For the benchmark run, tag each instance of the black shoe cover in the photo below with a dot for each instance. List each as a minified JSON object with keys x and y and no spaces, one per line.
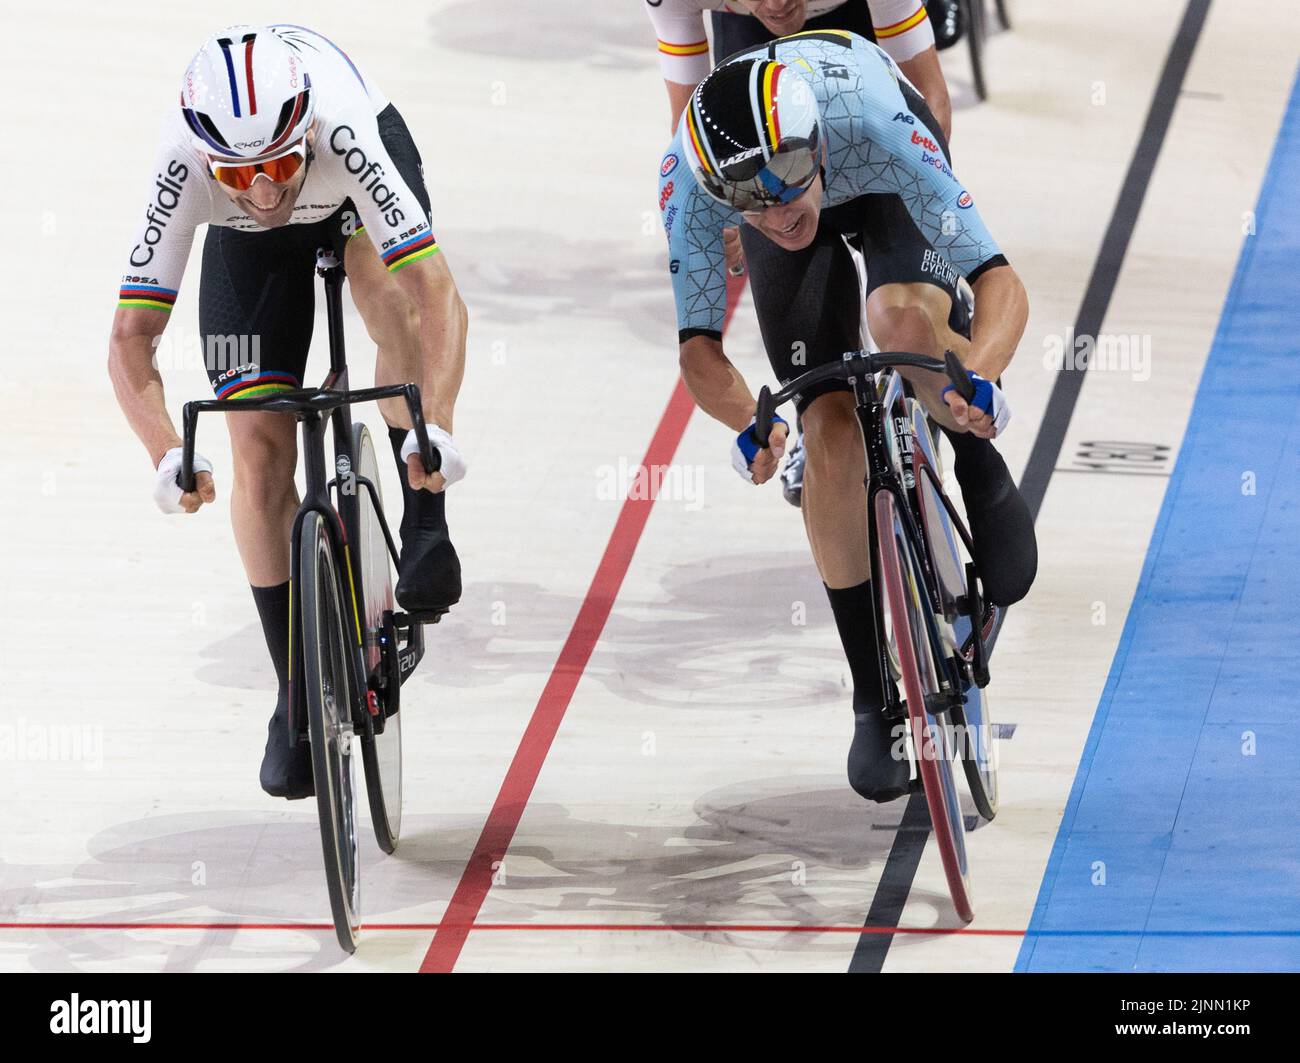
{"x":286,"y":768}
{"x":875,"y":772}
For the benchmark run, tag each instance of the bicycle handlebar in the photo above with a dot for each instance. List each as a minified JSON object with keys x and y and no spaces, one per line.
{"x":856,"y":364}
{"x":317,"y":400}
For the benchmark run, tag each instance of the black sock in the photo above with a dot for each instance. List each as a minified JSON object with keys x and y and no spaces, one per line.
{"x":429,"y":570}
{"x":420,"y":509}
{"x":273,"y":608}
{"x":878,"y":766}
{"x":1001,"y":526}
{"x":979,"y":467}
{"x":855,"y":619}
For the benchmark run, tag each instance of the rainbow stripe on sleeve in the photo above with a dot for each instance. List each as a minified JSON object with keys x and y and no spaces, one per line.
{"x":148,"y":296}
{"x":419,"y":246}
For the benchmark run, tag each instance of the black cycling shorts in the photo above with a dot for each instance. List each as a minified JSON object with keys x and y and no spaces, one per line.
{"x":809,"y":302}
{"x":257,"y":292}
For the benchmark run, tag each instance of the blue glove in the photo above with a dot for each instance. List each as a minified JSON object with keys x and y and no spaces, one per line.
{"x":989,"y":398}
{"x":745,"y":449}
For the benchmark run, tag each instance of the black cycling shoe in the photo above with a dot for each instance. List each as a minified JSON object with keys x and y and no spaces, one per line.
{"x":874,"y":771}
{"x":428,"y":574}
{"x":286,"y":767}
{"x":1001,"y":526}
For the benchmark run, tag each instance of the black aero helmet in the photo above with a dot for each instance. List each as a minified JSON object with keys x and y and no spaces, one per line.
{"x":752,"y":134}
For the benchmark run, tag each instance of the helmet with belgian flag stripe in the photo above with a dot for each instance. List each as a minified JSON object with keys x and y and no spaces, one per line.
{"x":752,"y":134}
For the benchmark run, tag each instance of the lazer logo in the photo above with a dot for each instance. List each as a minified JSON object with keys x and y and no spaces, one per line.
{"x":739,"y":157}
{"x":370,"y":175}
{"x":166,"y":198}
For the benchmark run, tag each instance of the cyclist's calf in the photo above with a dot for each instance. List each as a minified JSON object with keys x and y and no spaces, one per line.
{"x":834,"y":500}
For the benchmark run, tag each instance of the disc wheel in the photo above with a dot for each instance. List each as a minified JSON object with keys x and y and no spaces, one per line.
{"x":381,"y":753}
{"x":327,"y":679}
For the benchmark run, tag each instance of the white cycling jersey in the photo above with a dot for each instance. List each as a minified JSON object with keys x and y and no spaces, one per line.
{"x":350,"y":162}
{"x":902,"y":28}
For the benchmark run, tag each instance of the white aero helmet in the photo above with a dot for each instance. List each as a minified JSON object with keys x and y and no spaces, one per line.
{"x":246,"y":93}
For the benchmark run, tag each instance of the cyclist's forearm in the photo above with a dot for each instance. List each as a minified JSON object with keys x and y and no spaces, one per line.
{"x":715,"y":384}
{"x":443,"y":330}
{"x":1001,"y":312}
{"x":926,"y":74}
{"x":444,"y":324}
{"x":139,"y":390}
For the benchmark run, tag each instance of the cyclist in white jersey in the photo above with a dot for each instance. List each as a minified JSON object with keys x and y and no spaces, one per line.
{"x":282,"y":145}
{"x":899,"y":26}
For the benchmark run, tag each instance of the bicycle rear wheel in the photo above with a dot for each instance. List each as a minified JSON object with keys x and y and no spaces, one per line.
{"x":978,"y":751}
{"x":904,"y":600}
{"x":327,"y":678}
{"x":381,"y":754}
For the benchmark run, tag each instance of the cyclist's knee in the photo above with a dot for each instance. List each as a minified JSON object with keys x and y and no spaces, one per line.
{"x":831,"y":437}
{"x":904,"y":327}
{"x":264,"y":451}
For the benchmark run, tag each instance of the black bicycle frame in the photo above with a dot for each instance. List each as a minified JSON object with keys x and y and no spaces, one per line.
{"x":310,"y":407}
{"x":859,"y":370}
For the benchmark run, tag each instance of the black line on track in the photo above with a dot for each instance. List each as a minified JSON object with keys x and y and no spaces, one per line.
{"x":905,"y":855}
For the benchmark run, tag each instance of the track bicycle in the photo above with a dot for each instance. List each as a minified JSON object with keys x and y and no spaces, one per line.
{"x":929,"y":611}
{"x":350,"y":648}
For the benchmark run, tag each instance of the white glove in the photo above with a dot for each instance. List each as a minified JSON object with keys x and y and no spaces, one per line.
{"x":453,"y":465}
{"x":167,"y":489}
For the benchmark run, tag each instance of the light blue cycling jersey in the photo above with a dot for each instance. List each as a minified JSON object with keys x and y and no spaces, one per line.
{"x":875,"y":144}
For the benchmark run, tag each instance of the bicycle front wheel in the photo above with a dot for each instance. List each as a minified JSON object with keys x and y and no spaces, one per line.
{"x":903,"y":601}
{"x":328,"y":682}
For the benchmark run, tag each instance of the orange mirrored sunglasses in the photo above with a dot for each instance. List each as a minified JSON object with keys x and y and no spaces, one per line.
{"x":241,"y":175}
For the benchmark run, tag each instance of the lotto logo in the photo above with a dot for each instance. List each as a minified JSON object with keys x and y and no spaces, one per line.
{"x":925,"y":142}
{"x":665,"y":195}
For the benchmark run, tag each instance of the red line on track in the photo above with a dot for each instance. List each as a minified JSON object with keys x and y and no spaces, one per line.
{"x":678,"y":928}
{"x":517,"y":787}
